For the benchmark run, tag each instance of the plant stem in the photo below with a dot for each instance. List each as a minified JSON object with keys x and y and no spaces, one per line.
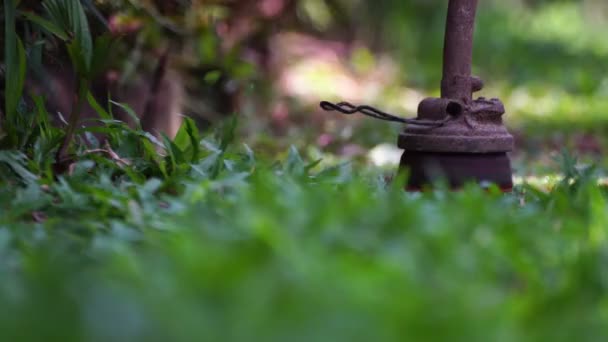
{"x":149,"y":119}
{"x":73,"y":121}
{"x":10,"y":55}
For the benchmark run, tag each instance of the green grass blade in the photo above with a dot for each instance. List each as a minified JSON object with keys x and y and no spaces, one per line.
{"x":16,"y":161}
{"x":15,"y":68}
{"x":129,"y":112}
{"x":80,"y":26}
{"x":46,"y":24}
{"x":54,"y":11}
{"x":22,"y":68}
{"x":228,"y":133}
{"x":97,"y":107}
{"x":188,"y":139}
{"x":100,"y":56}
{"x":69,"y":17}
{"x":10,"y":57}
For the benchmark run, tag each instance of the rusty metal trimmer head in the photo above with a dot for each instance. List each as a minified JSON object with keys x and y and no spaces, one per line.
{"x":471,"y":144}
{"x":453,"y":138}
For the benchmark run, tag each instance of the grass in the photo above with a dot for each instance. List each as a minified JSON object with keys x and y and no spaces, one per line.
{"x":229,"y":247}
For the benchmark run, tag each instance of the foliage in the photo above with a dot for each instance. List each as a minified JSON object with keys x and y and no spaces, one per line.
{"x":215,"y":243}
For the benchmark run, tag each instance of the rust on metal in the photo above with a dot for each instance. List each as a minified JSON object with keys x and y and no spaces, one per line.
{"x":458,"y":50}
{"x":477,"y":128}
{"x":457,"y":169}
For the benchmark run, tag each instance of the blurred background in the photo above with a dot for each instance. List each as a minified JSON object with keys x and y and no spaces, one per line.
{"x":271,"y":61}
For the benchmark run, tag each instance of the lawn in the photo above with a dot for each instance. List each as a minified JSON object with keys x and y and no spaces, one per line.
{"x":230,"y":247}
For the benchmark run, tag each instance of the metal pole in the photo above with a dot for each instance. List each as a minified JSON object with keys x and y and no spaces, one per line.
{"x":457,"y":83}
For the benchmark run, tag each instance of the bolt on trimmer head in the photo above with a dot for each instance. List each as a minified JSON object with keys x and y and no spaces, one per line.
{"x":454,"y":138}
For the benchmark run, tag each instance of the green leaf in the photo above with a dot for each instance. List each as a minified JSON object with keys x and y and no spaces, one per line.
{"x":228,"y":133}
{"x":78,"y":58}
{"x":207,"y":47}
{"x":312,"y":165}
{"x":16,"y":161}
{"x":101,"y":53}
{"x":194,"y":135}
{"x":22,"y":68}
{"x":249,"y":156}
{"x":188,"y":139}
{"x":150,"y":150}
{"x":69,"y":16}
{"x":47,"y":25}
{"x":80,"y":27}
{"x":97,"y":107}
{"x":295,"y":164}
{"x":96,"y":129}
{"x":212,"y":77}
{"x":175,"y":154}
{"x":57,"y":14}
{"x":42,"y":116}
{"x":151,"y":138}
{"x":90,"y":5}
{"x":129,"y":112}
{"x":207,"y":166}
{"x":15,"y":65}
